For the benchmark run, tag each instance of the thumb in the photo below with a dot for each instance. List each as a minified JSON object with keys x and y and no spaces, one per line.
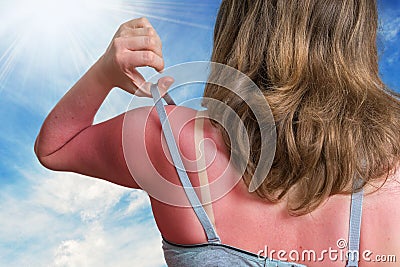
{"x":164,"y":83}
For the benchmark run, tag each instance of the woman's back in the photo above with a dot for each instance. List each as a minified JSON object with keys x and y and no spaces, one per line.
{"x":316,"y":64}
{"x":246,"y":221}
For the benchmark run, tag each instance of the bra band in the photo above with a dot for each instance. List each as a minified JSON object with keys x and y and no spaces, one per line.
{"x":212,"y":237}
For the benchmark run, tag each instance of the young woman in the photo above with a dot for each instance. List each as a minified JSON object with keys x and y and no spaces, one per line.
{"x":337,"y":131}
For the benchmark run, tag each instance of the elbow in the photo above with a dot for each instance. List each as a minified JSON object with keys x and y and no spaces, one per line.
{"x":50,"y":162}
{"x":36,"y":148}
{"x":44,"y":160}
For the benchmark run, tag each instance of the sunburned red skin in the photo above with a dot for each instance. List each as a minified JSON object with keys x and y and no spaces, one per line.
{"x":69,"y":141}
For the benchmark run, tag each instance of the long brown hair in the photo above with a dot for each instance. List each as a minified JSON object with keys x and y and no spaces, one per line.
{"x":316,"y":63}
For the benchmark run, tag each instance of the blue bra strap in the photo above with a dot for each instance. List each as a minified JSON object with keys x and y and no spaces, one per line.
{"x":212,"y":236}
{"x":355,"y":228}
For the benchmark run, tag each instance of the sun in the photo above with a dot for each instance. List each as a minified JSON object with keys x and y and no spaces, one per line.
{"x":38,"y":36}
{"x":50,"y":42}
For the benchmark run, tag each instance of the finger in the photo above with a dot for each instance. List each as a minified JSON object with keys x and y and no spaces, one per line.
{"x":164,"y":83}
{"x":137,"y":23}
{"x":136,"y":79}
{"x":147,"y":31}
{"x":134,"y":59}
{"x":137,"y":43}
{"x":144,"y":90}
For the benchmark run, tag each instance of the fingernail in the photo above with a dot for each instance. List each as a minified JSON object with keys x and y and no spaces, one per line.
{"x":167,"y":83}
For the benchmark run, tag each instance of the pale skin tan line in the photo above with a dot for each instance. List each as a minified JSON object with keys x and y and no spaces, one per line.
{"x":201,"y":166}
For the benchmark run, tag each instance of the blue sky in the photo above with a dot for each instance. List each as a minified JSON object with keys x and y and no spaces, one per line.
{"x":64,"y":219}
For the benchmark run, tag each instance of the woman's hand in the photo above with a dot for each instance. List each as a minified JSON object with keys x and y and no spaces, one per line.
{"x":135,"y":44}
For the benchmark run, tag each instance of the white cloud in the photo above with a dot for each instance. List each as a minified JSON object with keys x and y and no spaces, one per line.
{"x":21,"y":220}
{"x":137,"y":201}
{"x":66,"y":219}
{"x":67,"y":193}
{"x":119,"y":247}
{"x":390,"y":29}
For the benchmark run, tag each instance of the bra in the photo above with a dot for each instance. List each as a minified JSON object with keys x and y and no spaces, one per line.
{"x":214,"y":253}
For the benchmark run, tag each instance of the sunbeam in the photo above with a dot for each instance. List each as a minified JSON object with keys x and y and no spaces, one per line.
{"x":7,"y":62}
{"x":46,"y":38}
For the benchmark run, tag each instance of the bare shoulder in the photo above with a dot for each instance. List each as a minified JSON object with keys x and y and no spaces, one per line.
{"x":193,"y":133}
{"x":143,"y":136}
{"x":144,"y":124}
{"x":147,"y":122}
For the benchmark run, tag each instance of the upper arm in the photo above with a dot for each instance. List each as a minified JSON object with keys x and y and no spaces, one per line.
{"x":98,"y":150}
{"x":128,"y":150}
